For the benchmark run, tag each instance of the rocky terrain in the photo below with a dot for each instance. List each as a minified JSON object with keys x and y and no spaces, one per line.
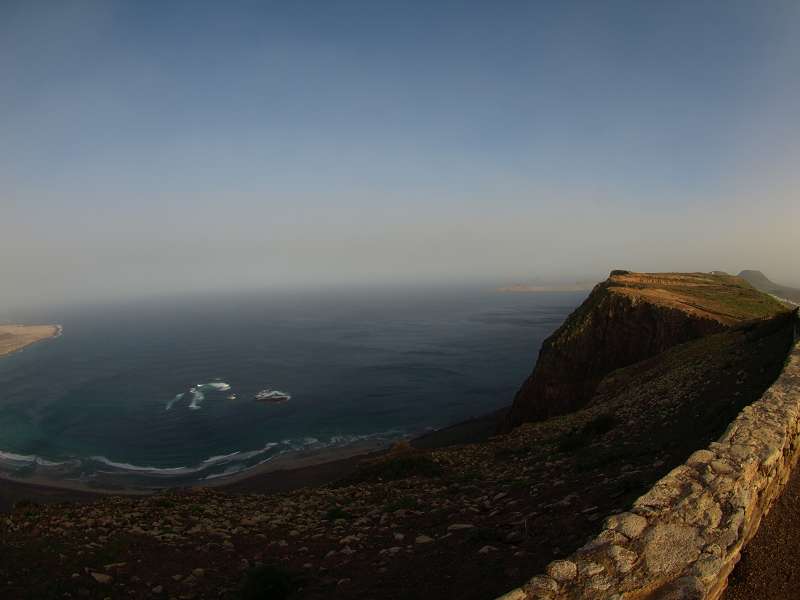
{"x":466,"y":521}
{"x":628,"y":318}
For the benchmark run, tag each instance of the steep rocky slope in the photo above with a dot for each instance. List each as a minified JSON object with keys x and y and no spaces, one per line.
{"x":626,"y":319}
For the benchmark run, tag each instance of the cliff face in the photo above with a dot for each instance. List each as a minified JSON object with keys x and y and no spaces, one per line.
{"x":626,"y":319}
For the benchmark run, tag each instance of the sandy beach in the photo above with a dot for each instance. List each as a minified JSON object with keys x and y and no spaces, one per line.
{"x":16,"y":337}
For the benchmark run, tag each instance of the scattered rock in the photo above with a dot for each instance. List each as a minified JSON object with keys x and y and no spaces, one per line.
{"x":101,"y":577}
{"x":562,"y":570}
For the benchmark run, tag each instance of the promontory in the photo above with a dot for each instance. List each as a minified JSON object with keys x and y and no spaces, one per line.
{"x":17,"y":337}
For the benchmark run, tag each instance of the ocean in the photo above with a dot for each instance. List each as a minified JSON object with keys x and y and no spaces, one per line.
{"x":161,"y":392}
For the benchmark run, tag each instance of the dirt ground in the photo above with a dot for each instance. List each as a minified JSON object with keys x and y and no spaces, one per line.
{"x":768,"y":568}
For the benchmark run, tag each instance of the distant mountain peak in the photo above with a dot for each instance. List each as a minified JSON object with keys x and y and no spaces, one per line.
{"x":761,"y":282}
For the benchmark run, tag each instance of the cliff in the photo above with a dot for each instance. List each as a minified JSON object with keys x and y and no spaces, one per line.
{"x":626,"y":319}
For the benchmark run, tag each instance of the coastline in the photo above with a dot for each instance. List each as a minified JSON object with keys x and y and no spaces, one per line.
{"x":15,"y":338}
{"x":284,"y":473}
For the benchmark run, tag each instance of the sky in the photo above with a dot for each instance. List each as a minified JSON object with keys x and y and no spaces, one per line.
{"x":163,"y":147}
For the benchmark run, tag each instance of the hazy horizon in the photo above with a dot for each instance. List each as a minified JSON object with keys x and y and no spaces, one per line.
{"x":156,"y":149}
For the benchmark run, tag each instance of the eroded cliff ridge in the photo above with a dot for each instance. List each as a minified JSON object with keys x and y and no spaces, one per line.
{"x":626,"y":319}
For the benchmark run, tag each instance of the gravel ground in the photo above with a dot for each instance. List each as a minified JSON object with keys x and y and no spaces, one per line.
{"x":768,"y":568}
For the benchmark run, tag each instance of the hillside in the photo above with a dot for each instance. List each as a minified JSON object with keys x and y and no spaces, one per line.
{"x":761,"y":282}
{"x":466,"y":521}
{"x":626,"y":319}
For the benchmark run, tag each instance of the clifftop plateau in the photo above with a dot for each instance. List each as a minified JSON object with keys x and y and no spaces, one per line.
{"x":626,"y":319}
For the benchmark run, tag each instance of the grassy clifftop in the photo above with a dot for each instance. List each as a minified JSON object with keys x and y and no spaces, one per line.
{"x":715,"y":296}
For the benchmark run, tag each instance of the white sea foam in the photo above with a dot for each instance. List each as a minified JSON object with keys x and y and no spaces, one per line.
{"x":273,"y":396}
{"x":197,"y":397}
{"x":221,"y":458}
{"x":220,"y":386}
{"x":212,"y":467}
{"x":208,"y":463}
{"x":15,"y":460}
{"x":197,"y":393}
{"x":20,"y":459}
{"x":225,"y":473}
{"x":174,"y":400}
{"x":122,"y":466}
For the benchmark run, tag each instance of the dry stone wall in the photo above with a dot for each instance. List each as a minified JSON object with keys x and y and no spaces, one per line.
{"x":683,"y":537}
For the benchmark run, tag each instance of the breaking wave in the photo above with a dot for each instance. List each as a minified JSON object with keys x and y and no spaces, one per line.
{"x":27,"y":460}
{"x":100,"y":470}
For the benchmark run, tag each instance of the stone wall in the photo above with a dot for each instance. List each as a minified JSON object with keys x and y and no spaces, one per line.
{"x":682,"y":538}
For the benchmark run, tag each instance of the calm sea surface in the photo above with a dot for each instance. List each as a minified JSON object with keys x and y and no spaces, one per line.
{"x":142,"y":393}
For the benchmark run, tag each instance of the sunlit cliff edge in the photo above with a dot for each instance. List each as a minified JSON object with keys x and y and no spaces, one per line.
{"x":628,"y":318}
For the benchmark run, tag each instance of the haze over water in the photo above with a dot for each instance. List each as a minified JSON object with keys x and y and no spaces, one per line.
{"x":99,"y":403}
{"x":153,"y":148}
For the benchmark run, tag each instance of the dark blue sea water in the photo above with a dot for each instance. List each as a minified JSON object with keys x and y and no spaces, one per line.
{"x":98,"y":404}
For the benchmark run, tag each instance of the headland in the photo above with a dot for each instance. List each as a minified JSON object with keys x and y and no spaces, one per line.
{"x":14,"y":338}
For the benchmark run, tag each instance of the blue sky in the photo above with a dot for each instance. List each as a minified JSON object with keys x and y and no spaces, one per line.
{"x":193,"y":145}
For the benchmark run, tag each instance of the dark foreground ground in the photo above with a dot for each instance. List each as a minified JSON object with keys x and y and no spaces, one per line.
{"x":468,"y":521}
{"x":769,"y":569}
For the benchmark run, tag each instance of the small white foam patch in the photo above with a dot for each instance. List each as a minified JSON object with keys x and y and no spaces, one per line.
{"x":273,"y":395}
{"x":197,"y":397}
{"x":220,"y":386}
{"x":198,"y":394}
{"x":171,"y":403}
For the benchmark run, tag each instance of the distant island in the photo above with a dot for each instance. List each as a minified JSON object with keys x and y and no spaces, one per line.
{"x":17,"y":337}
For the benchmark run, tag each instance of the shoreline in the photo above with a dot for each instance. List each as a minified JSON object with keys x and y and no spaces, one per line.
{"x":305,"y":468}
{"x":28,"y":334}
